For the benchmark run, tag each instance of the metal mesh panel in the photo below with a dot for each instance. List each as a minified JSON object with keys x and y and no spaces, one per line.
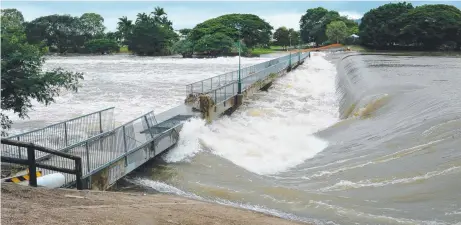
{"x":254,"y":74}
{"x":216,"y":82}
{"x":63,"y":134}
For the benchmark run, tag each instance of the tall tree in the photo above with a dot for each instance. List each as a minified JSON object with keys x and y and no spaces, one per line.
{"x":22,"y":76}
{"x":313,"y":24}
{"x":431,"y":26}
{"x":282,"y":37}
{"x":151,"y":34}
{"x":124,"y":27}
{"x":253,"y":30}
{"x":214,"y":44}
{"x":61,"y":33}
{"x":92,"y":25}
{"x":379,"y":27}
{"x":294,"y":37}
{"x":336,"y":31}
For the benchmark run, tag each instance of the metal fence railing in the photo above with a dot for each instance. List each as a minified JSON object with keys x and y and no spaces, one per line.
{"x":108,"y":146}
{"x":229,"y":89}
{"x":63,"y":134}
{"x":212,"y":83}
{"x":72,"y":168}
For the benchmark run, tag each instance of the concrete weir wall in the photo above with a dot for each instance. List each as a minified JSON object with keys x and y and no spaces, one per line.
{"x":211,"y":111}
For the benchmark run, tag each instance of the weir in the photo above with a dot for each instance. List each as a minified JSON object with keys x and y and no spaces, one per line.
{"x":107,"y":153}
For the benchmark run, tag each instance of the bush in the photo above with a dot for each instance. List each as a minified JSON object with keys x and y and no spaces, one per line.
{"x":184,"y":47}
{"x":103,"y":46}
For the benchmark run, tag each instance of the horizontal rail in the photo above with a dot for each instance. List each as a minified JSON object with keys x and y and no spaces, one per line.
{"x":52,"y":125}
{"x":32,"y":163}
{"x":39,"y":148}
{"x":25,"y":162}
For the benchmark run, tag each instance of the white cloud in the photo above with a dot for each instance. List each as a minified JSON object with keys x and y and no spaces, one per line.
{"x":289,"y":20}
{"x":351,"y":15}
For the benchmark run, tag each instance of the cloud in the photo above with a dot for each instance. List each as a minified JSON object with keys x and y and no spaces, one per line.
{"x":289,"y":20}
{"x":351,"y":15}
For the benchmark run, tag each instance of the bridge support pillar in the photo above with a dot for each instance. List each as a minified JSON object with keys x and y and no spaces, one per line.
{"x":238,"y":100}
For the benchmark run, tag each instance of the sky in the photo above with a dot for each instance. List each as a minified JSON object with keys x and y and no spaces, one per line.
{"x":186,"y":14}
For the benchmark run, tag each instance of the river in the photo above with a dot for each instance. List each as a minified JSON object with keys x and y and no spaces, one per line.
{"x":343,"y":139}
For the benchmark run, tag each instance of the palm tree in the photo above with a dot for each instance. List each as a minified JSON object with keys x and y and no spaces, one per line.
{"x":142,"y":17}
{"x":159,"y":12}
{"x":124,"y":26}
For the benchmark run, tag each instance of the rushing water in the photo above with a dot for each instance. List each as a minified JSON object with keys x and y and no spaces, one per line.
{"x":343,"y":139}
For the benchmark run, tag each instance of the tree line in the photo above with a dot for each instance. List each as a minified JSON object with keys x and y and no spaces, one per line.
{"x":221,"y":35}
{"x":402,"y":26}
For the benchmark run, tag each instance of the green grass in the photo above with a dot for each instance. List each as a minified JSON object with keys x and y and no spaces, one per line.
{"x":260,"y":51}
{"x":358,"y":48}
{"x":277,"y":48}
{"x":124,"y":49}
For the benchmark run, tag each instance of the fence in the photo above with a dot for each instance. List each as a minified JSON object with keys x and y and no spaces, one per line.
{"x":63,"y":134}
{"x":73,"y":168}
{"x":106,"y":147}
{"x":224,"y":90}
{"x":212,"y":83}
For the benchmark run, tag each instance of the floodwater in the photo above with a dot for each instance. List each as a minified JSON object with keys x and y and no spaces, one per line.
{"x":343,"y":139}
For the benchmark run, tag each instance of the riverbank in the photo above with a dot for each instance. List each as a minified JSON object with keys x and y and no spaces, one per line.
{"x":26,"y":205}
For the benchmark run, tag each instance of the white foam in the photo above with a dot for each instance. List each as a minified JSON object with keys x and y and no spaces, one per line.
{"x":134,"y":85}
{"x":189,"y":144}
{"x":273,"y":132}
{"x":345,"y":184}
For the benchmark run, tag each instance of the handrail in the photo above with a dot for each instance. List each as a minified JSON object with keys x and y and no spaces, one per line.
{"x":55,"y":124}
{"x":33,"y":164}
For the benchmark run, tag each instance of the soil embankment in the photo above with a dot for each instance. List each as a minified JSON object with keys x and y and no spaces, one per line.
{"x":26,"y":205}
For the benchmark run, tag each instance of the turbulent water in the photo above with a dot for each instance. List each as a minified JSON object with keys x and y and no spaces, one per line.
{"x":343,"y":139}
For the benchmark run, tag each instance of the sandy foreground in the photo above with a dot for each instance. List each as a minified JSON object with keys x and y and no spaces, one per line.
{"x":26,"y":205}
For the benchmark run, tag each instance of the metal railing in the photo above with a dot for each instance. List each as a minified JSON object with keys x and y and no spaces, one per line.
{"x":63,"y":134}
{"x":69,"y":164}
{"x":108,"y":146}
{"x":212,"y":83}
{"x":225,"y":91}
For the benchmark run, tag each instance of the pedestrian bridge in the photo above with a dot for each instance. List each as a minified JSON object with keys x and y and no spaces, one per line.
{"x":89,"y":152}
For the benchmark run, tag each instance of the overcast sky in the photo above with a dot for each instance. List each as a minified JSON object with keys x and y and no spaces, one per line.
{"x":186,"y":14}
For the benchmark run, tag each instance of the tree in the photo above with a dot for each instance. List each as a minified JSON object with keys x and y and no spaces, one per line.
{"x":22,"y":75}
{"x":124,"y":28}
{"x":185,"y":31}
{"x":314,"y":23}
{"x":115,"y":36}
{"x":253,"y":30}
{"x":61,"y":33}
{"x":151,"y":34}
{"x":431,"y":26}
{"x":336,"y":31}
{"x":379,"y":27}
{"x":282,"y":37}
{"x":103,"y":46}
{"x":184,"y":47}
{"x":92,"y":25}
{"x":12,"y":18}
{"x":214,"y":44}
{"x":294,"y":37}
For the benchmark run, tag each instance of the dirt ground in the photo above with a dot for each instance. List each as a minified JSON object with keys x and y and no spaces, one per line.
{"x":26,"y":205}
